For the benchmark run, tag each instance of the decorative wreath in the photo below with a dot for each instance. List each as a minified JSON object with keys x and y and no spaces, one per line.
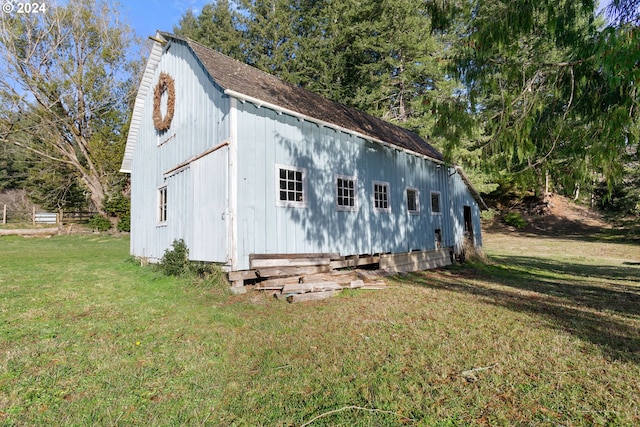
{"x":165,"y":84}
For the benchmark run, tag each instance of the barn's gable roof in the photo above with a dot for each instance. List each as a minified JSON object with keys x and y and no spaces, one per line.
{"x":247,"y":82}
{"x":251,"y":82}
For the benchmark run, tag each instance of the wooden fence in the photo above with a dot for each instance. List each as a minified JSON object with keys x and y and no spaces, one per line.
{"x":40,"y":217}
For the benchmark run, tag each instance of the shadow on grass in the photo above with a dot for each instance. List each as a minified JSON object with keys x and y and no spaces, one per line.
{"x":598,"y":304}
{"x":551,"y":226}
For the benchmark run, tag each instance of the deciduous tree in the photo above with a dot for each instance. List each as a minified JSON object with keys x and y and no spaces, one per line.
{"x":66,"y":81}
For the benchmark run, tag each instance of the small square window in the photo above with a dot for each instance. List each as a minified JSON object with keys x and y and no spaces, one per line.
{"x":435,"y":202}
{"x":346,"y":193}
{"x":413,"y":205}
{"x":290,"y":185}
{"x":381,"y":196}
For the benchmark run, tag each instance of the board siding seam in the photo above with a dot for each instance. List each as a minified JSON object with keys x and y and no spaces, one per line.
{"x":233,"y":183}
{"x":178,"y":168}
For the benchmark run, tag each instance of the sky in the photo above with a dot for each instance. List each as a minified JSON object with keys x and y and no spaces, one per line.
{"x":147,"y":16}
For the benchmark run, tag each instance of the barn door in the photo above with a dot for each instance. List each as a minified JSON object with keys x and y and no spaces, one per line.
{"x":468,"y":225}
{"x":209,"y":213}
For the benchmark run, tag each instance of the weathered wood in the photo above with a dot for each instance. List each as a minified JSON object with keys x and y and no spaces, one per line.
{"x":355,"y":261}
{"x":242,"y":275}
{"x":301,"y":288}
{"x":356,"y":284}
{"x":343,"y":278}
{"x":415,"y":261}
{"x":277,"y":283}
{"x":30,"y":231}
{"x":372,"y":274}
{"x":329,"y":255}
{"x":311,"y":296}
{"x":289,"y":262}
{"x":291,"y":271}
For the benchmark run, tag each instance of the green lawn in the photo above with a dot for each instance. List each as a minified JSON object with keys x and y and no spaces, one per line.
{"x":548,"y":332}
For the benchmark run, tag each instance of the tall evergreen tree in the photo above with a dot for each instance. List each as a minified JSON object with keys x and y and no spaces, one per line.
{"x":534,"y":73}
{"x":218,"y":26}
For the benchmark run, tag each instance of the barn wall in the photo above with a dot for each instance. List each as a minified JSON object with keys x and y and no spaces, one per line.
{"x":461,"y":197}
{"x":267,"y":138}
{"x":199,"y":123}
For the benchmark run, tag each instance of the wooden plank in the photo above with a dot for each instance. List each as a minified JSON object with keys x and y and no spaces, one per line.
{"x":418,"y":266}
{"x":415,"y":261}
{"x":342,"y":278}
{"x":288,"y":262}
{"x":277,"y":283}
{"x":291,"y":271}
{"x":302,"y":288}
{"x":356,"y":284}
{"x":242,"y":275}
{"x":355,"y":261}
{"x":311,"y":296}
{"x":329,"y":255}
{"x":372,"y":274}
{"x":416,"y":256}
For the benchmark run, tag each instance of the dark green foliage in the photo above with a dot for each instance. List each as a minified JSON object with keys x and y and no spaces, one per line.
{"x":119,"y":206}
{"x":124,"y":223}
{"x":175,"y":261}
{"x":514,"y":219}
{"x":100,"y":223}
{"x":548,"y":89}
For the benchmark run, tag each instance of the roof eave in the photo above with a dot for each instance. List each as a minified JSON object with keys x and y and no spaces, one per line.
{"x":143,"y":91}
{"x":261,"y":103}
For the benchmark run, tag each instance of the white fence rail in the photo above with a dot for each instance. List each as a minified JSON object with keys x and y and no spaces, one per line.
{"x":52,"y":218}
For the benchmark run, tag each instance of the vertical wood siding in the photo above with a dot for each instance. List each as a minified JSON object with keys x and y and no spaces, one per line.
{"x":323,"y":152}
{"x":199,"y":123}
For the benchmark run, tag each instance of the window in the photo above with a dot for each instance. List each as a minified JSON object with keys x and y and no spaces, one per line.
{"x":291,"y":186}
{"x":435,"y":202}
{"x":381,"y":196}
{"x":346,"y":193}
{"x":438,"y":238}
{"x":413,"y":205}
{"x":162,"y":204}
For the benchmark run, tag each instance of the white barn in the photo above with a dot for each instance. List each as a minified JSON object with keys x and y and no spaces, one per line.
{"x":241,"y":165}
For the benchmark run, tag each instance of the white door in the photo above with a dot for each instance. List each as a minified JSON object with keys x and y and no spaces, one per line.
{"x":210,"y":201}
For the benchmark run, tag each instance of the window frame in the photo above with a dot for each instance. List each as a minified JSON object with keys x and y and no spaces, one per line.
{"x":291,"y":203}
{"x":386,"y":185}
{"x":416,"y":198}
{"x":162,"y":206}
{"x":439,"y":211}
{"x":346,"y":208}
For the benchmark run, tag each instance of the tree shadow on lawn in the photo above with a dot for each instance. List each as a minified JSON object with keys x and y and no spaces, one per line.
{"x":590,"y":302}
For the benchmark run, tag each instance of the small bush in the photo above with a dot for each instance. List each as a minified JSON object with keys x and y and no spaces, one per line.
{"x":99,"y":223}
{"x":175,"y":261}
{"x":514,"y":219}
{"x":488,"y":215}
{"x":124,"y":223}
{"x":119,"y":206}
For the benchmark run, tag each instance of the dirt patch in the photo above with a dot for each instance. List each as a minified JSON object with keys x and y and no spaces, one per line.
{"x":558,"y":216}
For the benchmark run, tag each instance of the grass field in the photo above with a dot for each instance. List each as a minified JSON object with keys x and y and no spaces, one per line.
{"x":546,"y":332}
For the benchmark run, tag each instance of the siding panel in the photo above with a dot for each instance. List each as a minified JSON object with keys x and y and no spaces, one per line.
{"x":324,"y":153}
{"x":199,"y":123}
